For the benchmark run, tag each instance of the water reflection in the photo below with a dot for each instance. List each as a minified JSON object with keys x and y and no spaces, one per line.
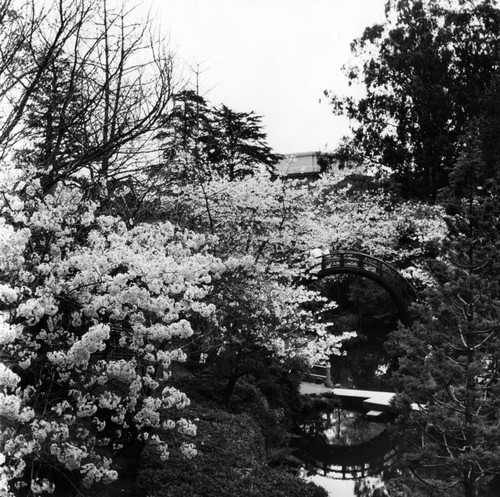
{"x":364,"y":365}
{"x":341,"y":449}
{"x":345,"y":445}
{"x":352,"y":456}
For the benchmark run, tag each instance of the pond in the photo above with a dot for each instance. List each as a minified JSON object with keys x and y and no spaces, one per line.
{"x":344,"y":452}
{"x":341,"y":449}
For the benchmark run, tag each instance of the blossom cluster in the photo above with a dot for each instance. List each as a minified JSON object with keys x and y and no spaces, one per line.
{"x":263,"y":230}
{"x":100,"y":312}
{"x":371,"y":222}
{"x":96,"y":311}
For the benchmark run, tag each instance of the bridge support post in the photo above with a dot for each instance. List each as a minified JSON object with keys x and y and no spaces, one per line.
{"x":328,"y":377}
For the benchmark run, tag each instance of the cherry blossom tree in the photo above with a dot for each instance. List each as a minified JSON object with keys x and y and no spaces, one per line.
{"x":267,"y":229}
{"x":93,"y":316}
{"x":279,"y":222}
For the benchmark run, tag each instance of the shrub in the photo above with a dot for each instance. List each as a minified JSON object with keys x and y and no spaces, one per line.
{"x":231,"y":461}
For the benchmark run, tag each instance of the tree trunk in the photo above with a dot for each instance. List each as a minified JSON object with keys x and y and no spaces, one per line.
{"x":470,"y":485}
{"x":228,"y":391}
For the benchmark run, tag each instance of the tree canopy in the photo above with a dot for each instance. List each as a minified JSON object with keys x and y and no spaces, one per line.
{"x":139,"y":230}
{"x":97,"y":298}
{"x":426,"y":74}
{"x":448,"y":360}
{"x":215,"y":141}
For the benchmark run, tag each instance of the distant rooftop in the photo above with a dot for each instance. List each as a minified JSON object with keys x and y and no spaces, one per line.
{"x":299,"y":164}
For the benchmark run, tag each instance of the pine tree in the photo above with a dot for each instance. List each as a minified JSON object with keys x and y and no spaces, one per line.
{"x":56,"y":119}
{"x":200,"y":142}
{"x":239,"y":144}
{"x":449,"y":360}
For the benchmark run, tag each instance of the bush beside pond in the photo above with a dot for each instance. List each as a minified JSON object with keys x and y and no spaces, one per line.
{"x":231,"y":461}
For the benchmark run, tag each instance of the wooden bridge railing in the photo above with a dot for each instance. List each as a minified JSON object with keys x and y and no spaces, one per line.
{"x":358,"y":262}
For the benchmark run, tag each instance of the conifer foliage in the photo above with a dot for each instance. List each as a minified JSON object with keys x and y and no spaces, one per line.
{"x":449,"y":361}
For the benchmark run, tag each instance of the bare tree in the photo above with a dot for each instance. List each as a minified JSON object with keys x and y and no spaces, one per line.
{"x":83,"y":84}
{"x":28,"y":48}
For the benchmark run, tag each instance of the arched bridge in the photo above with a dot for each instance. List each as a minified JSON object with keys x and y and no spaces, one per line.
{"x":351,"y":262}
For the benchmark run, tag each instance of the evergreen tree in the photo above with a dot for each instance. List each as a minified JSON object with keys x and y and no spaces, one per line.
{"x":449,"y":361}
{"x":56,"y":119}
{"x":425,"y":71}
{"x":239,"y":144}
{"x":200,"y":141}
{"x":186,"y":130}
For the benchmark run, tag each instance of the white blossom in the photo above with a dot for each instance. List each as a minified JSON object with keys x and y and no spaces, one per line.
{"x":8,"y":379}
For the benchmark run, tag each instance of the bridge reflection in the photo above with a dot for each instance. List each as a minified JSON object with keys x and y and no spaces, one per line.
{"x":344,"y":445}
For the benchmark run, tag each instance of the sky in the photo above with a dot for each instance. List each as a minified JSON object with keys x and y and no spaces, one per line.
{"x":272,"y":57}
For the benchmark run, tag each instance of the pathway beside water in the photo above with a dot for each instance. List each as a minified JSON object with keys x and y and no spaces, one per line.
{"x":370,"y":400}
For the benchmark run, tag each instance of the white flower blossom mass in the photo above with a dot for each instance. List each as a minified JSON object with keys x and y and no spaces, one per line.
{"x":73,"y":304}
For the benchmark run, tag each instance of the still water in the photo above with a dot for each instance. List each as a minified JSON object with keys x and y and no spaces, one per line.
{"x":341,"y":449}
{"x":345,"y":453}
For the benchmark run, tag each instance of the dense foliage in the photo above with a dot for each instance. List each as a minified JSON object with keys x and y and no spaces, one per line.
{"x":118,"y":261}
{"x":429,"y":118}
{"x":96,"y":300}
{"x":449,"y":358}
{"x":426,"y":73}
{"x":229,"y":446}
{"x":218,"y":141}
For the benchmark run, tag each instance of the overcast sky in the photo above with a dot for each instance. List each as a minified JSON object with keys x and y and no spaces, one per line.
{"x":273,"y":57}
